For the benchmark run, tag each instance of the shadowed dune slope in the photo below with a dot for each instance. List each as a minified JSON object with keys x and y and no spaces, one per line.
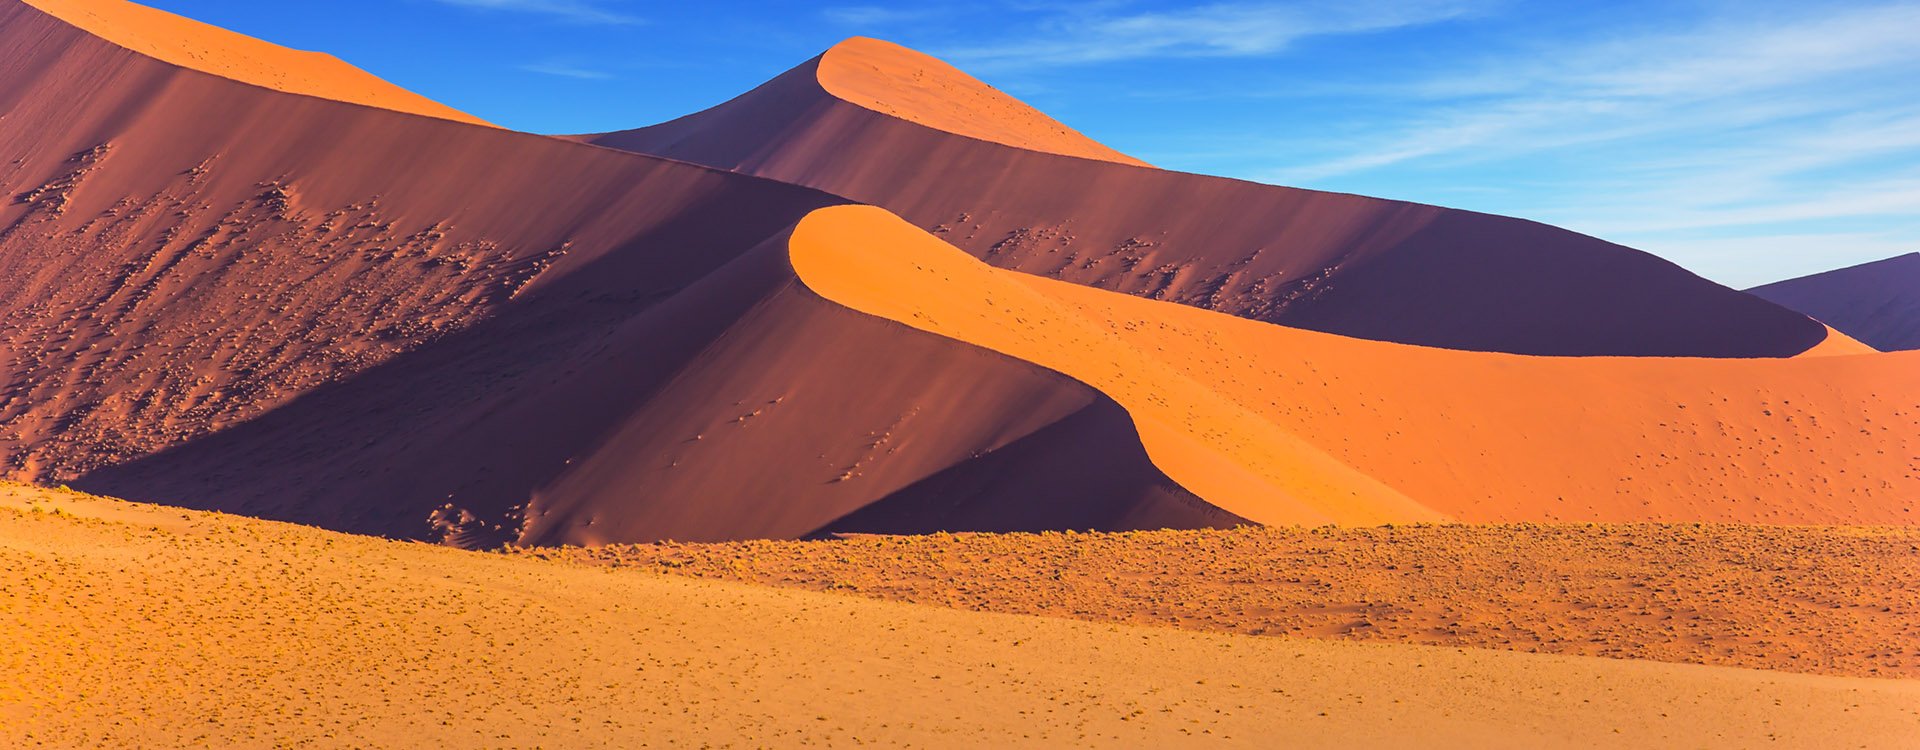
{"x":1877,"y":303}
{"x":1282,"y":425}
{"x":742,"y":406}
{"x":1362,"y":267}
{"x":393,"y":324}
{"x":197,"y":46}
{"x":136,"y":626}
{"x":872,"y":261}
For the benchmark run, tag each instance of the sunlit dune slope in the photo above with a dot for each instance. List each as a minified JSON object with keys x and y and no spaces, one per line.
{"x":208,"y":49}
{"x":883,"y":125}
{"x":1878,"y":302}
{"x":138,"y":626}
{"x":1235,"y":409}
{"x":1837,"y":344}
{"x":893,"y":80}
{"x":871,"y":261}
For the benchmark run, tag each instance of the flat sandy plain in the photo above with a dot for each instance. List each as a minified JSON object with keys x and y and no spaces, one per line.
{"x":1842,"y":600}
{"x":131,"y":625}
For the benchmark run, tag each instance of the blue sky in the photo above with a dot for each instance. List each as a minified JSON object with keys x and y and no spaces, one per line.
{"x":1748,"y":141}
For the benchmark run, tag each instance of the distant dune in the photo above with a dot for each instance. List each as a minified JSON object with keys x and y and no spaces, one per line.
{"x":197,"y":46}
{"x":1020,"y":191}
{"x":138,"y":626}
{"x":1877,"y":303}
{"x":899,"y":82}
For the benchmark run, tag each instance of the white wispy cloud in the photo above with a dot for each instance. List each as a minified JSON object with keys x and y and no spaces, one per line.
{"x":1763,"y":127}
{"x":1102,"y":33}
{"x":869,"y":16}
{"x":570,"y":10}
{"x":566,"y":70}
{"x":1725,"y":77}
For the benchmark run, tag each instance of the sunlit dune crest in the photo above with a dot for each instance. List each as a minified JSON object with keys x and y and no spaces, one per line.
{"x":891,"y":79}
{"x":197,"y":46}
{"x":1280,"y":425}
{"x":880,"y":124}
{"x":1837,"y":344}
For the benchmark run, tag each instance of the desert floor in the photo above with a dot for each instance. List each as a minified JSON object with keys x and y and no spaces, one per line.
{"x":130,"y":625}
{"x":1823,"y":600}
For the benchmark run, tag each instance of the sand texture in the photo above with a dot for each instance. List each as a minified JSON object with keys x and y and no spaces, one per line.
{"x":1814,"y":599}
{"x":133,"y":625}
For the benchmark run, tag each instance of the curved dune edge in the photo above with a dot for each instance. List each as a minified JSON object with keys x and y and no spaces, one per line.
{"x":190,"y":44}
{"x":900,"y":82}
{"x":1837,"y":344}
{"x":1283,"y":425}
{"x":1485,"y":437}
{"x":869,"y":260}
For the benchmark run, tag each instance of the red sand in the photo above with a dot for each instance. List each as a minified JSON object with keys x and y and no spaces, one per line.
{"x":1878,"y":303}
{"x":1346,"y":264}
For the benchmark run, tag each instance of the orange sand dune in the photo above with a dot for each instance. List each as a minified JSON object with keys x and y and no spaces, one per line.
{"x":209,"y":49}
{"x":1837,"y":344}
{"x":138,"y":626}
{"x":1234,"y":409}
{"x":881,"y":124}
{"x":893,"y":80}
{"x":871,"y":261}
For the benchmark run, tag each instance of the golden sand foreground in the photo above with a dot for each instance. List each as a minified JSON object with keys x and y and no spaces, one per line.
{"x":133,"y":625}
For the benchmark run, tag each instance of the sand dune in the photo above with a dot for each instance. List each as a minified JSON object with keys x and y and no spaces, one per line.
{"x":1357,"y":266}
{"x":300,"y":309}
{"x":1878,"y":303}
{"x":239,"y":277}
{"x":294,"y":308}
{"x":231,"y":254}
{"x":196,"y":46}
{"x":134,"y":625}
{"x":1280,"y":425}
{"x":896,"y":81}
{"x":871,"y":261}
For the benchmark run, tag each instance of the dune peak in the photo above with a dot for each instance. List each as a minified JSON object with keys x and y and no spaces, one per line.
{"x":917,"y":87}
{"x":186,"y":43}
